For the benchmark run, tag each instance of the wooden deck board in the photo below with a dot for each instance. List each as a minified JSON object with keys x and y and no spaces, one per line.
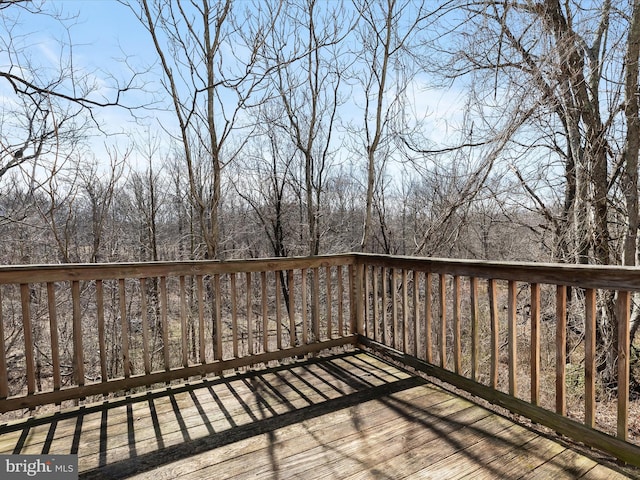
{"x":344,"y":416}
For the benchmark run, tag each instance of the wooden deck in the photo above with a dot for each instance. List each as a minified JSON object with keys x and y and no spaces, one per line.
{"x":349,"y":415}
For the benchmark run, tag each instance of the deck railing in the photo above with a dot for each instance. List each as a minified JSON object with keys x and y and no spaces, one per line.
{"x":76,"y":331}
{"x":521,"y":336}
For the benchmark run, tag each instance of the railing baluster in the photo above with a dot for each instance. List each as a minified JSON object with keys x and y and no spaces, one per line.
{"x":385,"y":287}
{"x":495,"y":333}
{"x":202,"y":353}
{"x":278,"y":310}
{"x":4,"y":382}
{"x":145,"y":325}
{"x":305,"y":317}
{"x":405,"y":312}
{"x":428,"y":318}
{"x":124,"y":324}
{"x":375,"y":309}
{"x":249,"y":313}
{"x":622,"y":314}
{"x":561,"y":349}
{"x":265,"y":312}
{"x":78,"y":354}
{"x":315,"y":309}
{"x":367,"y":307}
{"x":340,"y":301}
{"x":53,"y":329}
{"x":535,"y":343}
{"x":443,"y":321}
{"x":416,"y":313}
{"x":219,"y":353}
{"x":234,"y":315}
{"x":101,"y":330}
{"x":292,"y":309}
{"x":394,"y":309}
{"x":457,"y":333}
{"x":590,"y":357}
{"x":25,"y":297}
{"x":327,"y":276}
{"x":513,"y":339}
{"x":475,"y":330}
{"x":184,"y":331}
{"x":164,"y":322}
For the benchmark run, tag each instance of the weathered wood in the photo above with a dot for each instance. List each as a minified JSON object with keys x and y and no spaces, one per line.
{"x":123,"y":384}
{"x":394,"y":309}
{"x":535,"y":344}
{"x":145,"y":325}
{"x":293,"y":341}
{"x":219,"y":353}
{"x":590,"y":357}
{"x":428,"y":318}
{"x":249,"y":314}
{"x":561,"y":349}
{"x":305,"y":316}
{"x":184,"y":332}
{"x":358,"y":279}
{"x":416,"y":314}
{"x":265,"y":312}
{"x":623,"y":311}
{"x":78,"y":353}
{"x":513,"y":338}
{"x":405,"y":313}
{"x":278,"y":311}
{"x":27,"y":333}
{"x":315,"y":309}
{"x":625,"y":451}
{"x":368,"y":331}
{"x":584,"y":276}
{"x":475,"y":328}
{"x":234,"y":314}
{"x":4,"y":382}
{"x":341,"y":300}
{"x":328,"y":301}
{"x":164,"y":322}
{"x":102,"y":343}
{"x":385,"y":306}
{"x":16,"y":274}
{"x":495,"y":331}
{"x":375,"y":273}
{"x":457,"y":333}
{"x":202,"y":352}
{"x":53,"y":331}
{"x":443,"y":321}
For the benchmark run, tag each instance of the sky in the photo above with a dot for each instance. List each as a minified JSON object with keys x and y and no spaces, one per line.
{"x":104,"y":33}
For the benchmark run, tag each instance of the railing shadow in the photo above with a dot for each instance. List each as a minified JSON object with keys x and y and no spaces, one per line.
{"x":156,"y":429}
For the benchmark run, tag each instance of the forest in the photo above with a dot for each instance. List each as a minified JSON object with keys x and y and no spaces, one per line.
{"x":299,"y":127}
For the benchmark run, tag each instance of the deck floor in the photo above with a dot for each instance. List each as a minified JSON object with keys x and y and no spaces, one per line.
{"x":344,"y":416}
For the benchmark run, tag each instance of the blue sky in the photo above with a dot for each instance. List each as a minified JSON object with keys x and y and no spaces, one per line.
{"x":104,"y":32}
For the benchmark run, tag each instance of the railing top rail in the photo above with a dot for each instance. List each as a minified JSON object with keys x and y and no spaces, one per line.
{"x":13,"y":274}
{"x":585,"y":276}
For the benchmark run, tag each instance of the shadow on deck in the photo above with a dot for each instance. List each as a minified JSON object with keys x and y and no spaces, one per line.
{"x":347,"y":415}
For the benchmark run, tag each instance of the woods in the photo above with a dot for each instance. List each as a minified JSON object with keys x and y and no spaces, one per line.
{"x":301,"y":127}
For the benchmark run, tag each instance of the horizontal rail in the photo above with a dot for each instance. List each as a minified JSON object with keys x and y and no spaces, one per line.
{"x":583,"y":276}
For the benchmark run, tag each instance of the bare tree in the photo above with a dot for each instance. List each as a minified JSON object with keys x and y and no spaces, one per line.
{"x":207,"y":54}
